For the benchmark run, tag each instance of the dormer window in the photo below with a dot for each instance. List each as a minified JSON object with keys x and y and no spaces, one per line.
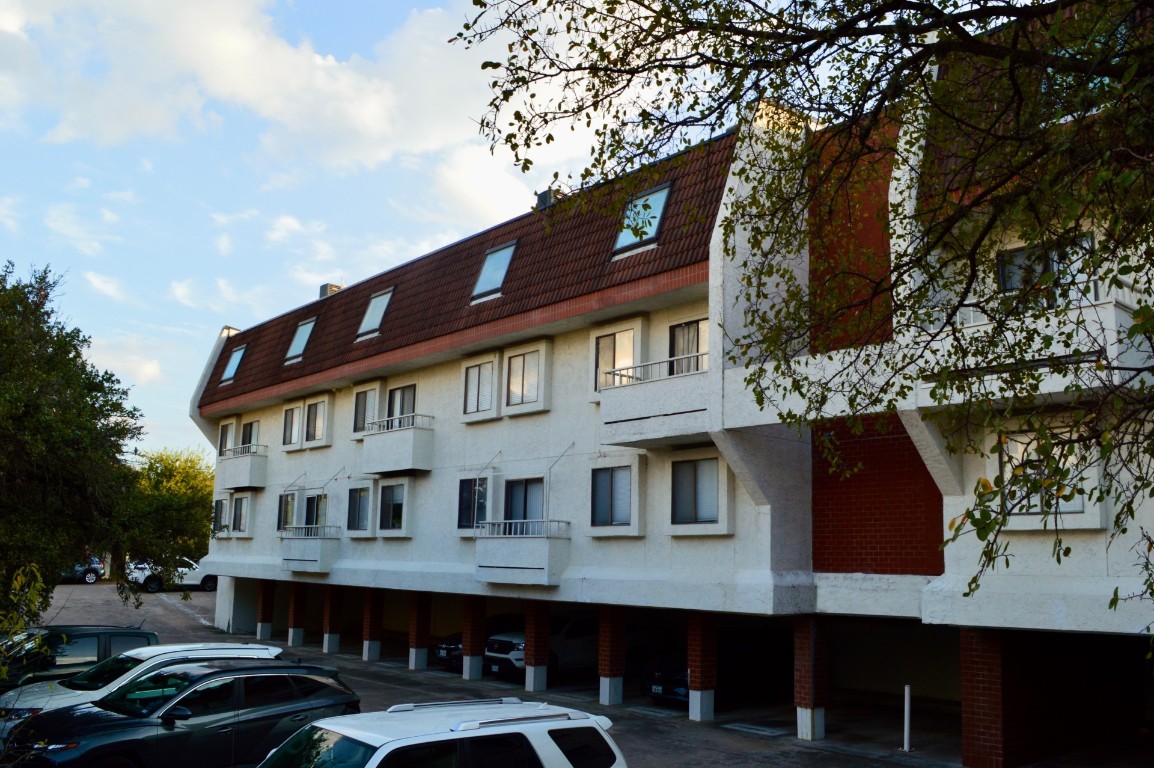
{"x":233,"y":364}
{"x":375,"y":313}
{"x":493,"y":272}
{"x":300,"y":340}
{"x":642,"y":220}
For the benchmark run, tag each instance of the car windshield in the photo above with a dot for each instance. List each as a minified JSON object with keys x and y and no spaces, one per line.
{"x":102,"y":674}
{"x":315,"y":747}
{"x":142,"y":697}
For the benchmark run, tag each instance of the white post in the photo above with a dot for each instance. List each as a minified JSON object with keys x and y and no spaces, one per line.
{"x":906,"y":727}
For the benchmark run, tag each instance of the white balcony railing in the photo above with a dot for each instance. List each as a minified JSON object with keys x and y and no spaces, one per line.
{"x":411,"y":421}
{"x":311,"y":532}
{"x":658,"y":369}
{"x":547,"y":529}
{"x":244,"y":450}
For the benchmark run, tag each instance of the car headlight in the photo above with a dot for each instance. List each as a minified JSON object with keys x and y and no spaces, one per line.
{"x":19,"y":713}
{"x":59,"y":747}
{"x":518,"y":646}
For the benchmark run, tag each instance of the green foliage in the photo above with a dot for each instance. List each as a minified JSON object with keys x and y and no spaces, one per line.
{"x":27,"y":599}
{"x":925,"y":143}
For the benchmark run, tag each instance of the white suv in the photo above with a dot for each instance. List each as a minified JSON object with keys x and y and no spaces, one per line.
{"x":486,"y":733}
{"x":186,"y":574}
{"x":572,"y":645}
{"x":25,"y":701}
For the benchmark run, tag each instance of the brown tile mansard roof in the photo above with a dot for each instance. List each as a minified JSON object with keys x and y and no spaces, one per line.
{"x":563,"y":254}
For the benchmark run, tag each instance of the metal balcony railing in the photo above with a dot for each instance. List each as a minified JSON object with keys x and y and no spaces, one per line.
{"x":541,"y":529}
{"x":244,"y":450}
{"x":658,"y":369}
{"x":311,"y":532}
{"x":410,"y":421}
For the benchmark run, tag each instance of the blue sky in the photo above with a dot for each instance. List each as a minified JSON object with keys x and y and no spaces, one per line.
{"x":190,"y":165}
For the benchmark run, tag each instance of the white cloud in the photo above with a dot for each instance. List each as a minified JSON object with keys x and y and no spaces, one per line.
{"x":223,"y":244}
{"x":68,"y":224}
{"x":9,"y":217}
{"x":122,"y":196}
{"x":131,"y":358}
{"x":107,"y":285}
{"x":146,"y":165}
{"x":80,"y":182}
{"x":225,"y":219}
{"x":181,"y":290}
{"x":286,"y":227}
{"x":282,"y":181}
{"x":108,"y":217}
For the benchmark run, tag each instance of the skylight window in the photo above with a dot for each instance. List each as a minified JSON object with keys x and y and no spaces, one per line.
{"x":493,"y":272}
{"x":375,"y":313}
{"x":642,"y":219}
{"x":300,"y":340}
{"x":233,"y":364}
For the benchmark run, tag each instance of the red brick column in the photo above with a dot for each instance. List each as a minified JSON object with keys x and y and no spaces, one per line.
{"x":810,"y":676}
{"x":473,"y":637}
{"x":296,"y":613}
{"x":702,"y":664}
{"x":536,"y":633}
{"x":372,"y":619}
{"x":265,"y":608}
{"x":611,"y":641}
{"x":420,"y":614}
{"x":331,"y":622}
{"x":983,"y":710}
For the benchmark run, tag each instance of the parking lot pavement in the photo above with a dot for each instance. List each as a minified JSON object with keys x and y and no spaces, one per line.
{"x":650,"y":735}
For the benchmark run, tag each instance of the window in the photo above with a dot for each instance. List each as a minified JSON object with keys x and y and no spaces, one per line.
{"x":392,"y":507}
{"x":267,"y":691}
{"x":524,"y":378}
{"x":402,"y":406}
{"x":501,"y":750}
{"x":472,"y":501}
{"x":240,"y":514}
{"x":358,"y":509}
{"x":584,"y":747}
{"x":315,"y":508}
{"x":687,"y":342}
{"x":233,"y":364}
{"x":296,"y":349}
{"x":525,"y":499}
{"x":225,"y":442}
{"x":1037,"y":275}
{"x":612,"y":493}
{"x":314,"y":421}
{"x":1020,"y":465}
{"x":493,"y":272}
{"x":219,"y":515}
{"x":642,"y":220}
{"x":250,"y":433}
{"x":285,"y":510}
{"x":479,"y":387}
{"x":614,"y":350}
{"x":374,"y":314}
{"x":291,"y":434}
{"x":364,"y":409}
{"x":695,"y":487}
{"x":213,"y":698}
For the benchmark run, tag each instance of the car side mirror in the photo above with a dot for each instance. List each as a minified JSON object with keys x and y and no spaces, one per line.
{"x":176,"y":713}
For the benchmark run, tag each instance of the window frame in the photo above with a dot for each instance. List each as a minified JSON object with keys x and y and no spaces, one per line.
{"x":287,"y":499}
{"x":493,"y":362}
{"x":724,"y":525}
{"x":381,"y":299}
{"x":684,"y":365}
{"x":495,"y":272}
{"x":638,"y":325}
{"x":493,"y":481}
{"x":320,"y":502}
{"x":1091,"y":515}
{"x":300,"y":340}
{"x":627,"y":239}
{"x":365,"y":508}
{"x":637,"y":464}
{"x":234,"y":360}
{"x":1062,"y":260}
{"x":291,"y":434}
{"x":372,"y":398}
{"x":323,"y":408}
{"x":401,"y":531}
{"x":519,"y":489}
{"x":240,"y":510}
{"x":544,"y":350}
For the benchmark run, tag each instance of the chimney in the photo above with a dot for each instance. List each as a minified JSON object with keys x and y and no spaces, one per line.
{"x":328,"y":289}
{"x":547,"y":198}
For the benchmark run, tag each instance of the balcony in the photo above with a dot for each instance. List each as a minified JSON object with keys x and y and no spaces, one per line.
{"x":398,"y":444}
{"x":664,"y":402}
{"x":532,"y":552}
{"x":245,"y":466}
{"x":310,"y":548}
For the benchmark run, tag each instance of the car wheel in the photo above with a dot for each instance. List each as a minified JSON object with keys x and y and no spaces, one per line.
{"x":90,"y":577}
{"x":208,"y":584}
{"x":152,"y":584}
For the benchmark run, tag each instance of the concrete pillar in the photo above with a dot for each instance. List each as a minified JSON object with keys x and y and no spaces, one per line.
{"x":983,"y":702}
{"x":265,"y":607}
{"x":420,"y":615}
{"x":536,"y":646}
{"x":372,"y":618}
{"x":296,"y":617}
{"x":611,"y":654}
{"x":810,"y":676}
{"x":473,"y":638}
{"x":702,"y":665}
{"x":331,"y":624}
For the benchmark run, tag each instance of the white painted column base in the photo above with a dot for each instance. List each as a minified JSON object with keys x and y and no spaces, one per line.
{"x":700,"y":705}
{"x":811,"y":723}
{"x":536,"y":679}
{"x":296,"y":636}
{"x":264,"y":630}
{"x":331,"y":642}
{"x":371,"y":650}
{"x":472,"y":667}
{"x":612,"y":690}
{"x":418,"y":658}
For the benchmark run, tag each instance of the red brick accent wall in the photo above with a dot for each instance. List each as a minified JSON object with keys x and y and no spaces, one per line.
{"x":886,"y":517}
{"x":372,"y":615}
{"x":331,"y":624}
{"x":536,"y":633}
{"x":473,"y":626}
{"x":266,"y":601}
{"x":420,"y":611}
{"x":810,"y":663}
{"x":296,"y":610}
{"x":983,"y":706}
{"x":611,"y":642}
{"x":702,"y":652}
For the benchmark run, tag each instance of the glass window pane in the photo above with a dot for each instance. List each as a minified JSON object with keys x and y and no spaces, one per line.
{"x":684,"y":491}
{"x":621,"y":495}
{"x":493,"y":272}
{"x":602,"y":496}
{"x":642,"y":219}
{"x":300,"y":339}
{"x":233,"y":364}
{"x":374,"y":313}
{"x":706,"y":473}
{"x":534,"y":499}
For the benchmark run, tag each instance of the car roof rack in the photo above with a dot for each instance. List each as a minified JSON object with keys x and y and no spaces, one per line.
{"x":459,"y":703}
{"x":472,"y":725}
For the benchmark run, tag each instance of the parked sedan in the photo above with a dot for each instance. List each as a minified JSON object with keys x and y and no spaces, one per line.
{"x":88,"y":571}
{"x":203,"y":714}
{"x":187,"y":574}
